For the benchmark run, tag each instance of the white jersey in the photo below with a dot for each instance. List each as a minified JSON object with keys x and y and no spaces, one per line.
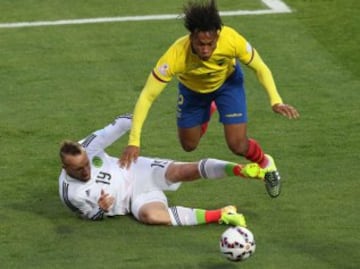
{"x":106,"y":174}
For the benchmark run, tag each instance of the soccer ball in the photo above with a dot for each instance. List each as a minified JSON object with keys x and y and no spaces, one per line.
{"x":237,"y":243}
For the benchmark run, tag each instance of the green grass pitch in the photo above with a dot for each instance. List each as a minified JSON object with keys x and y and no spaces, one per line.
{"x":60,"y":82}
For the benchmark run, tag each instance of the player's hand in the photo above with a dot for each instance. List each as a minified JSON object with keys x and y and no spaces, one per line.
{"x":129,"y":155}
{"x":105,"y":201}
{"x":286,"y":110}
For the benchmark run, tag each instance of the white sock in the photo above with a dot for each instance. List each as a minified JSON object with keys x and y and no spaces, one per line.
{"x":182,"y":216}
{"x":212,"y":168}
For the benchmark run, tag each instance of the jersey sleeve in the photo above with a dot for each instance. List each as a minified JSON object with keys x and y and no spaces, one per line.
{"x":152,"y":89}
{"x":156,"y":82}
{"x":242,"y":48}
{"x":250,"y":57}
{"x":91,"y":211}
{"x":101,"y":139}
{"x":265,"y":77}
{"x":88,"y":209}
{"x":166,"y":66}
{"x":78,"y":202}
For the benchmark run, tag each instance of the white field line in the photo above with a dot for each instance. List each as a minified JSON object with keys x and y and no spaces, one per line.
{"x":274,"y":6}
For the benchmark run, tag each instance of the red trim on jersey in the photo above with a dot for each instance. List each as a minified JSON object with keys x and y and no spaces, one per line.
{"x":252,"y":56}
{"x":157,"y":77}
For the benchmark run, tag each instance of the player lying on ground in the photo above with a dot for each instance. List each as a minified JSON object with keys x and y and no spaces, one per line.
{"x":93,"y":184}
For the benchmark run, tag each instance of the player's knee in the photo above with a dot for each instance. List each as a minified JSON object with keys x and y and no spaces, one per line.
{"x":189,"y":138}
{"x":147,"y":217}
{"x":188,"y":147}
{"x":152,"y":217}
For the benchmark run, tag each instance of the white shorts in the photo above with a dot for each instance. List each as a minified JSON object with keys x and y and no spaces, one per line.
{"x":149,"y":182}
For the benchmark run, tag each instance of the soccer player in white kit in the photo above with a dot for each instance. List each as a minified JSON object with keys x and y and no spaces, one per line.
{"x":93,"y":185}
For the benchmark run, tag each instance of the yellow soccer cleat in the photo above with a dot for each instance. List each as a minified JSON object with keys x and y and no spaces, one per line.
{"x":253,"y":170}
{"x":230,"y":216}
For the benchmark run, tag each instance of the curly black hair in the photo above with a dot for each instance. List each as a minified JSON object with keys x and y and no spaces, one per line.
{"x":202,"y":15}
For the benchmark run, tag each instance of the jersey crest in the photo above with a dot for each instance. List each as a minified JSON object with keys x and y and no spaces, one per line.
{"x":97,"y":161}
{"x":163,"y":69}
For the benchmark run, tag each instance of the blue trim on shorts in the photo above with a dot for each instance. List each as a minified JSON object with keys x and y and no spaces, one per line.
{"x":193,"y":108}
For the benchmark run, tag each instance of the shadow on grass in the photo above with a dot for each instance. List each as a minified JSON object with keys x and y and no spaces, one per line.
{"x":224,"y":265}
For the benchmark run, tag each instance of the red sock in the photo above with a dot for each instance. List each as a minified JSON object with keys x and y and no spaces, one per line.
{"x":204,"y":126}
{"x":255,"y":153}
{"x":212,"y":215}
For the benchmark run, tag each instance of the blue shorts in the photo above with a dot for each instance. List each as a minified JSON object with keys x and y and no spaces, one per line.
{"x":193,"y":108}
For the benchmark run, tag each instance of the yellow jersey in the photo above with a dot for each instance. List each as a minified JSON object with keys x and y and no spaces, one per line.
{"x":200,"y":76}
{"x":204,"y":76}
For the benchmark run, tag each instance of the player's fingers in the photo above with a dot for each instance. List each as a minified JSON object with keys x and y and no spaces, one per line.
{"x":281,"y":110}
{"x":109,"y":201}
{"x":288,"y":111}
{"x":103,"y":198}
{"x":127,"y":161}
{"x":129,"y":155}
{"x":124,"y":159}
{"x":293,"y":114}
{"x":121,"y":161}
{"x":132,"y":158}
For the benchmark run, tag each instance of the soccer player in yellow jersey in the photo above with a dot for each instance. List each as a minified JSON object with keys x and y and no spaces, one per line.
{"x":206,"y":63}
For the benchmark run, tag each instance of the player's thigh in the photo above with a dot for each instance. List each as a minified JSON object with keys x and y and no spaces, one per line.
{"x":148,"y":174}
{"x":150,"y":207}
{"x":231,"y":100}
{"x":193,"y":109}
{"x":232,"y":106}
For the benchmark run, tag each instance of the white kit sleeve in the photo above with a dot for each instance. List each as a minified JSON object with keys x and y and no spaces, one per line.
{"x":89,"y":209}
{"x":101,"y":139}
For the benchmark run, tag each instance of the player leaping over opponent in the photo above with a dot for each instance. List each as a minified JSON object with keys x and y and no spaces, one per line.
{"x":207,"y":63}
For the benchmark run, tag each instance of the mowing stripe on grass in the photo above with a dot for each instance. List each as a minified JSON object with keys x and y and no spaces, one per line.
{"x":274,"y":6}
